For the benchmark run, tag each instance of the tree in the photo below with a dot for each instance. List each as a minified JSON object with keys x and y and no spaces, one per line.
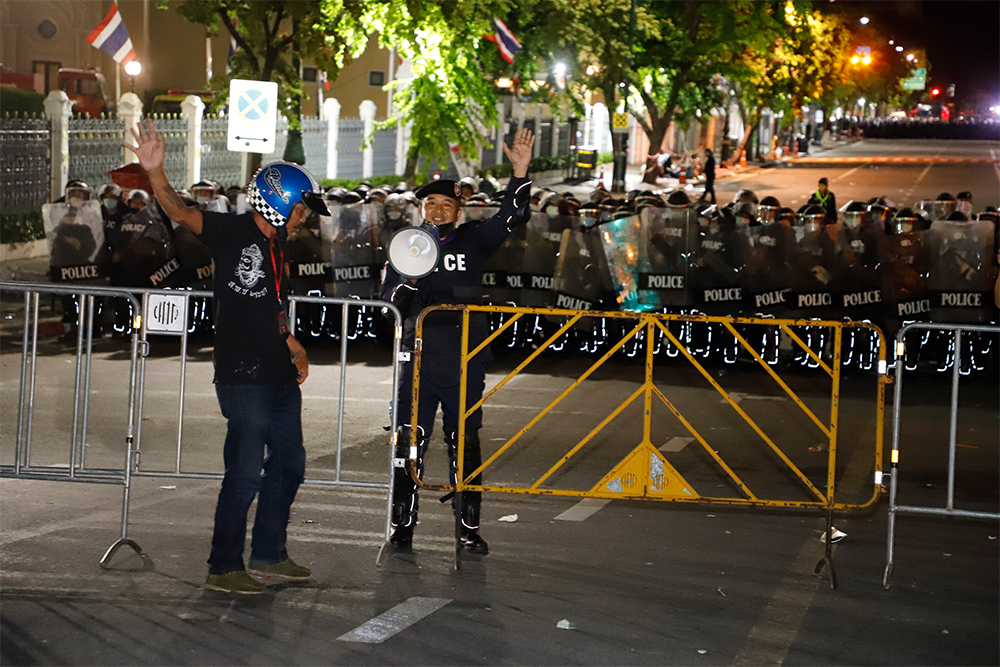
{"x":270,"y":34}
{"x":450,"y":100}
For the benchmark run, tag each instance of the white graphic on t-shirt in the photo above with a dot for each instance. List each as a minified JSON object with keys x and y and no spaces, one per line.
{"x":248,"y":270}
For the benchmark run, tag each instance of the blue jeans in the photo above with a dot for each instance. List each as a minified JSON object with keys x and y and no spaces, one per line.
{"x":264,"y":434}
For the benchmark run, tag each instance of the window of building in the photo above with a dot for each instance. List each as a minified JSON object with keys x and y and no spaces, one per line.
{"x":309,"y":74}
{"x":376,"y":78}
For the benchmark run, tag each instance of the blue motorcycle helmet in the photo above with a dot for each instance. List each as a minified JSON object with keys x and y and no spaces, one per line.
{"x":277,"y":187}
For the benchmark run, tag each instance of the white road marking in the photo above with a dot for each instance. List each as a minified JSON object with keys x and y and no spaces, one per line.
{"x":676,"y":444}
{"x":738,"y":397}
{"x":584,"y":509}
{"x":394,"y":621}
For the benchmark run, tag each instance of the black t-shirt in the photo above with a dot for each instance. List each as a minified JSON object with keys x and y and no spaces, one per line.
{"x":249,"y":349}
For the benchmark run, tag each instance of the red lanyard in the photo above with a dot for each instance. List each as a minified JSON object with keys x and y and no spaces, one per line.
{"x":277,"y":274}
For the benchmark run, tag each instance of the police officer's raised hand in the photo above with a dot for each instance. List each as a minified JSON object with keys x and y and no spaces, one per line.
{"x":520,"y":153}
{"x":150,"y":146}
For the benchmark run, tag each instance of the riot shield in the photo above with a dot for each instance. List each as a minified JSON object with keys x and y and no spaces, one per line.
{"x":760,"y":252}
{"x":620,"y":247}
{"x":715,"y":275}
{"x":859,"y":292}
{"x":903,"y":269}
{"x":665,"y":247}
{"x":811,"y":274}
{"x":543,"y":238}
{"x":143,"y":252}
{"x":962,"y":271}
{"x":76,"y":241}
{"x":195,"y":257}
{"x":582,"y":280}
{"x":502,"y":280}
{"x":350,"y":240}
{"x":935,"y":209}
{"x":308,"y":268}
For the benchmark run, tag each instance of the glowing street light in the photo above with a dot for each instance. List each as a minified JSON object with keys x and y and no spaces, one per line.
{"x":899,"y":49}
{"x":132,"y":68}
{"x":864,"y":20}
{"x":855,"y":59}
{"x":867,"y":60}
{"x":559,"y":69}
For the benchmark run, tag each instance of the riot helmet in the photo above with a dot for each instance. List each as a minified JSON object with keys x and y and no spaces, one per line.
{"x":377,"y":196}
{"x":76,"y":193}
{"x":957,"y":216}
{"x":203,"y":192}
{"x":904,"y":222}
{"x":549,"y":203}
{"x":745,"y":212}
{"x":786,"y":217}
{"x":854,"y":213}
{"x":678,"y":199}
{"x":745,"y":195}
{"x":335,"y":194}
{"x":879,"y":214}
{"x":811,"y":217}
{"x":395,"y":207}
{"x":110,"y":195}
{"x":469,"y":186}
{"x":351,"y":197}
{"x":964,"y":203}
{"x":767,"y":209}
{"x":401,"y":187}
{"x":569,"y":206}
{"x":277,"y":188}
{"x":138,"y":199}
{"x":943,"y":205}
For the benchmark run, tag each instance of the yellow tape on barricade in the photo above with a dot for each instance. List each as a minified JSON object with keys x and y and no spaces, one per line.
{"x":645,"y":473}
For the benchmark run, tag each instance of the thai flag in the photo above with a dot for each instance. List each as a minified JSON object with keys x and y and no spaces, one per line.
{"x":112,"y":37}
{"x":505,"y":41}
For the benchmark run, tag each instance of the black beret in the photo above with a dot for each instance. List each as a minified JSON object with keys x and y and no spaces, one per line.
{"x":824,"y":181}
{"x":445,"y":187}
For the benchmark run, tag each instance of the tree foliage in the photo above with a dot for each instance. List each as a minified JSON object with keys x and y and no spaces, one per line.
{"x":268,"y":32}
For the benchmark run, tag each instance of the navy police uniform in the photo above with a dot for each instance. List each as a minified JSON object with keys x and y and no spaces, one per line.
{"x":456,"y":280}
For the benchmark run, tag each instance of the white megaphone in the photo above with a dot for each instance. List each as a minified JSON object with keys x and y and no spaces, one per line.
{"x":414,"y":252}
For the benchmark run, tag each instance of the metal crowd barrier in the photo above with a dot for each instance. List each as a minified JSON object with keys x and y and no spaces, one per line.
{"x":645,"y":473}
{"x":77,"y":471}
{"x":949,"y":509}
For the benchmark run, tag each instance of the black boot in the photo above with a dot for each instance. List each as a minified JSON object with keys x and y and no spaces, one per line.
{"x":471,"y":500}
{"x":405,"y":501}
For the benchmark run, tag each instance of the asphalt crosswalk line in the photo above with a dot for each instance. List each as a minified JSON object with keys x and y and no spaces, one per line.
{"x":394,"y":621}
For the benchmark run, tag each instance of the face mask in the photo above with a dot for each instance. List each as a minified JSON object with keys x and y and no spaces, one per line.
{"x":552,"y":210}
{"x":446,"y":230}
{"x":202,"y":201}
{"x":393,"y":214}
{"x":110,"y":204}
{"x":232,"y":208}
{"x":75,"y":202}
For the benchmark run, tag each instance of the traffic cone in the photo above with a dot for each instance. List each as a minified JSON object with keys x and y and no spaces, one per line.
{"x":437,"y":176}
{"x":795,"y":148}
{"x":743,"y":158}
{"x":683,"y":177}
{"x":600,"y":181}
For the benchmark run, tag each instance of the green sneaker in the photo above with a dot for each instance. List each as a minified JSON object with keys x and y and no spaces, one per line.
{"x":237,"y":581}
{"x":286,"y":569}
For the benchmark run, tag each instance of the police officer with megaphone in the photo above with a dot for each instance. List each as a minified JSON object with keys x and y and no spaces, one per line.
{"x":454,"y":278}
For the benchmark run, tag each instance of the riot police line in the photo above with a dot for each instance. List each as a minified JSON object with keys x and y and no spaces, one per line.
{"x":648,"y":252}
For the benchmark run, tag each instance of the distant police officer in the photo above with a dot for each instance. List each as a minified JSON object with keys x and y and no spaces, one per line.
{"x":456,"y":280}
{"x":826,"y":199}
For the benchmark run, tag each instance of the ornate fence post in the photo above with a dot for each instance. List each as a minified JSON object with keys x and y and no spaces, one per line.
{"x":58,"y":108}
{"x":499,"y":132}
{"x":556,"y":120}
{"x":192,"y":108}
{"x":130,"y":114}
{"x":366,"y":110}
{"x":536,"y":150}
{"x":331,"y":114}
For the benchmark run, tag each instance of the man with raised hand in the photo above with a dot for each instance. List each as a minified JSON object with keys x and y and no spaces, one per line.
{"x":258,"y":364}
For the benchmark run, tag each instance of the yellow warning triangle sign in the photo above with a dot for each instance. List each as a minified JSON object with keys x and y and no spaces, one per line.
{"x":644,"y":473}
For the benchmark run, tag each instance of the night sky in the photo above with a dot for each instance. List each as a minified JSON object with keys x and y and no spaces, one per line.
{"x":961,"y":37}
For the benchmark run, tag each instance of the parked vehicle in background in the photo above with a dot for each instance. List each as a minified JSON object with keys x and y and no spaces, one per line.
{"x":89,"y":91}
{"x":171,"y":102}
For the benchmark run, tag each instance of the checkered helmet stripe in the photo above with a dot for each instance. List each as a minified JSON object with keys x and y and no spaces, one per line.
{"x":258,"y":204}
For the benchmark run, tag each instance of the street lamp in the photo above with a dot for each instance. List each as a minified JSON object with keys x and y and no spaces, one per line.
{"x":864,"y":20}
{"x":559,"y":69}
{"x":132,"y":68}
{"x":899,"y":49}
